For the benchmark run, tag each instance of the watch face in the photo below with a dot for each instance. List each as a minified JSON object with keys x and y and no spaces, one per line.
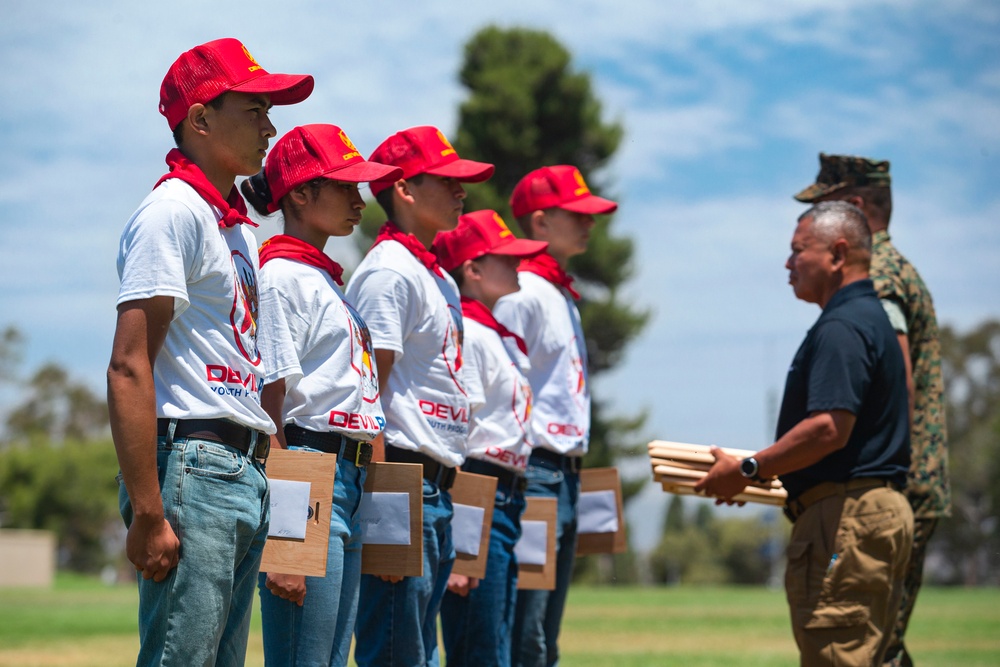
{"x":748,"y":467}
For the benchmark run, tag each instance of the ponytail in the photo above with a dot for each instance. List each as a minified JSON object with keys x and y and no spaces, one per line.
{"x":257,"y":192}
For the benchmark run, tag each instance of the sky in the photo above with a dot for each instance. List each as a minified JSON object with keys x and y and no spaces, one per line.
{"x":725,"y":107}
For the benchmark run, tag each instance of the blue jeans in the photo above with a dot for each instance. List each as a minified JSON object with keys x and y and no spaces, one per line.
{"x":318,"y":633}
{"x":477,"y":628}
{"x":539,"y":613}
{"x":216,"y":500}
{"x":397,"y":623}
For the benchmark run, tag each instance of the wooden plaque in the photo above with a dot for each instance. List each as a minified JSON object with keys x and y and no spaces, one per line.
{"x":400,"y":560}
{"x":308,"y":556}
{"x":603,"y":479}
{"x":478,"y":491}
{"x":540,"y":577}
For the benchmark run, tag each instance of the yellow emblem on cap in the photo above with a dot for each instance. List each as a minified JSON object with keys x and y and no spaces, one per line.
{"x":353,"y":153}
{"x":254,"y":67}
{"x":448,"y":148}
{"x":502,"y":226}
{"x":582,"y":189}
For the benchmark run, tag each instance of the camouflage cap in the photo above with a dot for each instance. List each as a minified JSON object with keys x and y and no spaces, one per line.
{"x":844,"y":171}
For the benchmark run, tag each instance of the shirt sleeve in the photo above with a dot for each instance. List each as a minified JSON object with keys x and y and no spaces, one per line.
{"x":896,"y":316}
{"x":385,"y":300}
{"x":278,"y":333}
{"x":161,"y":247}
{"x":474,"y":370}
{"x":840,"y":369}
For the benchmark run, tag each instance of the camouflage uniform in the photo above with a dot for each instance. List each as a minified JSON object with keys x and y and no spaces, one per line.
{"x":897,"y":280}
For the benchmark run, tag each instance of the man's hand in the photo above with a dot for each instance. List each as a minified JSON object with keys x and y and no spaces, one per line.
{"x":152,"y":547}
{"x":291,"y":587}
{"x":459,"y":584}
{"x":390,"y":578}
{"x":724,"y":480}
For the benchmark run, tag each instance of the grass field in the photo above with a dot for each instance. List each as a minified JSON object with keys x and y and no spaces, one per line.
{"x":82,"y":623}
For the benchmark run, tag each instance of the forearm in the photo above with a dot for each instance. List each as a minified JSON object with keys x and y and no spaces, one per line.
{"x":132,"y":408}
{"x":808,"y":442}
{"x":272,"y":399}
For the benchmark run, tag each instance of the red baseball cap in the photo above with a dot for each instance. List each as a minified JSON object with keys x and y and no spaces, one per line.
{"x":200,"y":75}
{"x":559,"y":186}
{"x":425,"y":150}
{"x":481,"y":233}
{"x":313,"y":151}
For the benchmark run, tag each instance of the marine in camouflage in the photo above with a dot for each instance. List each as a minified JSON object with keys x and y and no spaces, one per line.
{"x":895,"y":278}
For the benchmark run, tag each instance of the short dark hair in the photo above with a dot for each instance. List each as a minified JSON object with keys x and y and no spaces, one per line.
{"x":216,"y":103}
{"x":877,"y":198}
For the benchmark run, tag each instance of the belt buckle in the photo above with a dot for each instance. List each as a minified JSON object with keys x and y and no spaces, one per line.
{"x":357,"y":454}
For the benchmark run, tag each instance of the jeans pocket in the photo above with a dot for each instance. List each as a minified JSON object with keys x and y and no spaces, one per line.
{"x":543,"y":479}
{"x":214,"y":460}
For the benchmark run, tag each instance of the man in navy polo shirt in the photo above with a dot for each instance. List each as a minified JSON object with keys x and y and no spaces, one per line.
{"x":842,"y":451}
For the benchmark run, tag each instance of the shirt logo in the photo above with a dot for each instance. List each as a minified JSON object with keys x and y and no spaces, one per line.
{"x":246,"y":303}
{"x":362,"y":355}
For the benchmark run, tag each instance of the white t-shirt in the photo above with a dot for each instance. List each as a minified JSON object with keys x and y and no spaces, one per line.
{"x":499,"y":399}
{"x":310,"y":336}
{"x":549,"y":322}
{"x":417,"y":315}
{"x":209,"y":366}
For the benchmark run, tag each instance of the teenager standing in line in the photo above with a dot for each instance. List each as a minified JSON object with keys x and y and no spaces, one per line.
{"x":412,"y":307}
{"x":552,"y":204}
{"x":482,"y":255}
{"x":183,"y":383}
{"x":320,"y":383}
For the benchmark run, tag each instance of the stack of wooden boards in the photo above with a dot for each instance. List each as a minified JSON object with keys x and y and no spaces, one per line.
{"x":678,"y":467}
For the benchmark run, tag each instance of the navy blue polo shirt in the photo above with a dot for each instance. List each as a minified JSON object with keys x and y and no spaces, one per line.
{"x":851,"y":360}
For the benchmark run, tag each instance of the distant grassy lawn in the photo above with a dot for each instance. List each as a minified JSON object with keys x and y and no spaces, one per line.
{"x":82,"y":623}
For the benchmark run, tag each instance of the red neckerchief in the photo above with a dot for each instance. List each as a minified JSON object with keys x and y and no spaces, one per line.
{"x":234,"y":209}
{"x":547,"y":267}
{"x":390,"y":232}
{"x":284,"y":246}
{"x":476,"y":311}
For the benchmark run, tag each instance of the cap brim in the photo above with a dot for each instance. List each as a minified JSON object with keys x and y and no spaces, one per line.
{"x":365,"y":172}
{"x":591,"y":204}
{"x":520,"y":248}
{"x":283,"y":88}
{"x":466,"y":171}
{"x":817,"y":190}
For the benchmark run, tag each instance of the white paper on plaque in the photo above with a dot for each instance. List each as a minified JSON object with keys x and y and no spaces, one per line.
{"x":385,"y":518}
{"x":530,"y":549}
{"x":467,"y":528}
{"x":597,"y":512}
{"x":289,"y":509}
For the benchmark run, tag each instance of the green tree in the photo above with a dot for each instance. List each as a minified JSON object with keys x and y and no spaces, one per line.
{"x":57,"y":407}
{"x":969,"y":538}
{"x":528,"y":107}
{"x":69,"y":489}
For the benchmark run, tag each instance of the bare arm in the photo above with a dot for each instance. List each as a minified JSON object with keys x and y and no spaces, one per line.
{"x":383,"y":364}
{"x":272,"y":399}
{"x":806,"y":443}
{"x":151,"y":544}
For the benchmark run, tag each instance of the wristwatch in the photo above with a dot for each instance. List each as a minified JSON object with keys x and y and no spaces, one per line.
{"x":749,"y":468}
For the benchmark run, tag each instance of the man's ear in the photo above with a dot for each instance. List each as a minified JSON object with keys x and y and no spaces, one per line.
{"x":197,"y":119}
{"x":539,"y":226}
{"x":839,"y":251}
{"x":404,"y":190}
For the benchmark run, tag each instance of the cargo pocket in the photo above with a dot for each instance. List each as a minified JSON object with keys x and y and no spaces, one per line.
{"x":847,"y":615}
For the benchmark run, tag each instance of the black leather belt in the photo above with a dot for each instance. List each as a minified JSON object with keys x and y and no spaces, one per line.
{"x":347,"y":449}
{"x":249,"y":441}
{"x":505,"y":476}
{"x":434,"y":471}
{"x":565,"y":463}
{"x":795,"y":507}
